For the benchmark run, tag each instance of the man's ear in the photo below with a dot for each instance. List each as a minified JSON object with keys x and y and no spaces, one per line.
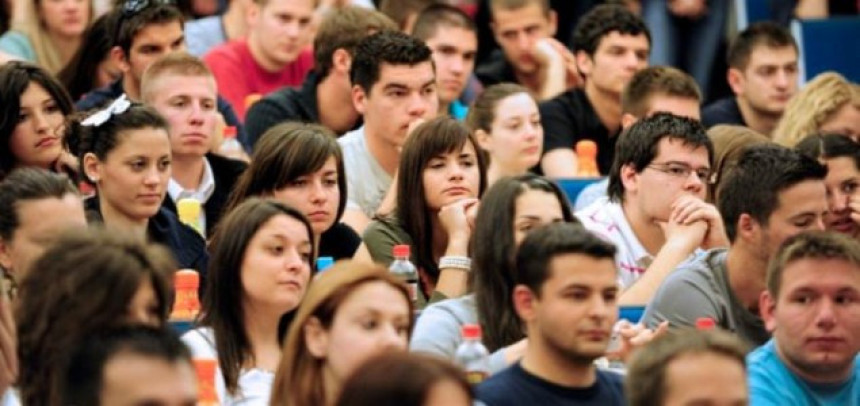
{"x":525,"y":302}
{"x":584,"y":63}
{"x":6,"y":255}
{"x":736,"y":80}
{"x":341,"y":61}
{"x":483,"y":139}
{"x":767,"y":308}
{"x":552,"y":17}
{"x":627,"y":120}
{"x":118,"y":56}
{"x":359,"y":99}
{"x":629,"y":178}
{"x":252,"y":13}
{"x":316,"y":338}
{"x":747,"y":229}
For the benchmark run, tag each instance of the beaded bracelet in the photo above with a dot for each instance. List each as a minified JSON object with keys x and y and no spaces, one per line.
{"x":455,"y":262}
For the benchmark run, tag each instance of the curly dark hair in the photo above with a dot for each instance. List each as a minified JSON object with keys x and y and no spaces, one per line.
{"x":391,"y":47}
{"x":601,"y":21}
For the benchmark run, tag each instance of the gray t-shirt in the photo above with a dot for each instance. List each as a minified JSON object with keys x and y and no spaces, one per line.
{"x":204,"y":34}
{"x":366,"y":181}
{"x":700,"y":288}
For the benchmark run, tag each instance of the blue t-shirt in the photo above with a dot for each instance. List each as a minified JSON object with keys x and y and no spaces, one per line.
{"x":772,"y":383}
{"x":515,"y":386}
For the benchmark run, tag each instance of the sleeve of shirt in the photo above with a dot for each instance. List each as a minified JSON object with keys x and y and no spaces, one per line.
{"x":681,"y":299}
{"x":228,"y":75}
{"x":558,"y":125}
{"x":17,"y":44}
{"x":437,"y":332}
{"x":263,"y":115}
{"x":380,"y":238}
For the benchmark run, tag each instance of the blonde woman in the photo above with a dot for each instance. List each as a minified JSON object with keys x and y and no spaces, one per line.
{"x":49,"y":33}
{"x":829,"y":104}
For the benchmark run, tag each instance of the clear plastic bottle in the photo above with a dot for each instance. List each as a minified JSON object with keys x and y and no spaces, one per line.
{"x":405,"y":270}
{"x":472,"y":355}
{"x":230,"y":146}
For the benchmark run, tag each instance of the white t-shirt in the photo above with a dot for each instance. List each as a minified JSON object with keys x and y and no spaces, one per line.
{"x":606,"y":219}
{"x":366,"y":181}
{"x":255,"y":385}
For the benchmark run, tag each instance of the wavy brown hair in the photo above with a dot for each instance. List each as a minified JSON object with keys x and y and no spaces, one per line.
{"x":299,"y":380}
{"x":83,"y":283}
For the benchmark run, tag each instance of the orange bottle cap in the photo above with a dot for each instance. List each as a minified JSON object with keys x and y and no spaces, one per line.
{"x":186,"y":279}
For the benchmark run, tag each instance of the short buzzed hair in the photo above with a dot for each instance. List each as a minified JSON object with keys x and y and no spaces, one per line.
{"x":28,"y":184}
{"x":811,"y":245}
{"x":344,"y":28}
{"x":657,"y":81}
{"x":765,"y":33}
{"x":174,"y":63}
{"x":517,"y":4}
{"x":440,"y":15}
{"x":402,"y":10}
{"x":646,"y":382}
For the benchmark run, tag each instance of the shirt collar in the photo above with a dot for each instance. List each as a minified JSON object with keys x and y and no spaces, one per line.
{"x":203,"y":192}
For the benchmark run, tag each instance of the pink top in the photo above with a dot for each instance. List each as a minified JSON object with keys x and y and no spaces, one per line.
{"x":238,"y":75}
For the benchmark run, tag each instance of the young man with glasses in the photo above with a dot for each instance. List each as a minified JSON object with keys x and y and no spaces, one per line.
{"x":655,"y":213}
{"x":772,"y":194}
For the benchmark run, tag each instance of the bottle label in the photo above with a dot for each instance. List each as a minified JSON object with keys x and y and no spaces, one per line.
{"x":413,"y":291}
{"x":475,"y":377}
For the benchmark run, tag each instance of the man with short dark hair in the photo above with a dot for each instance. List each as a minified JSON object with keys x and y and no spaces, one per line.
{"x":144,"y":32}
{"x":35,"y":205}
{"x":453,"y":37}
{"x":689,"y":367}
{"x":565,"y":294}
{"x":273,"y":54}
{"x":652,"y":90}
{"x":132,"y":365}
{"x":812,"y":307}
{"x":655,"y":213}
{"x":611,"y":44}
{"x":326,"y":94}
{"x":772,"y":193}
{"x":529,"y":56}
{"x":763,"y":76}
{"x":394,"y":85}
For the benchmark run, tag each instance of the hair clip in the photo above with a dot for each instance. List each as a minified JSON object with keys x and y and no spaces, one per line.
{"x":119,"y":106}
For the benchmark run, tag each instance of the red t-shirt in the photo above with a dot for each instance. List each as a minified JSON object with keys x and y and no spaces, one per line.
{"x":238,"y":75}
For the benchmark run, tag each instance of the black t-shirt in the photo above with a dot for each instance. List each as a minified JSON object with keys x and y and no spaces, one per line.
{"x":723,"y":111}
{"x":496,"y":70}
{"x":339,"y":242}
{"x":569,"y":118}
{"x":515,"y":386}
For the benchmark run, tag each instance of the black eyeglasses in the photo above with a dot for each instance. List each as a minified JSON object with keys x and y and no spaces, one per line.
{"x":683,"y":171}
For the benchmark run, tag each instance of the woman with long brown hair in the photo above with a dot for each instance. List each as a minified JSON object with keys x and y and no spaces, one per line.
{"x":442,"y":174}
{"x":351,"y":312}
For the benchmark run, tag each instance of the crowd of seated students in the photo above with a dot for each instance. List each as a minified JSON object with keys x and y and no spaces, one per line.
{"x":359,"y":130}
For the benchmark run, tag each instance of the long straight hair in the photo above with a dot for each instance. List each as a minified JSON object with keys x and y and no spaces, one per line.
{"x":299,"y":380}
{"x":436,"y":137}
{"x":222,"y":302}
{"x":494,"y":256}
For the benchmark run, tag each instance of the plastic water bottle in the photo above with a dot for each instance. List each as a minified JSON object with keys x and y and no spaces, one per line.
{"x":472,"y":355}
{"x":405,"y":270}
{"x":705,"y":323}
{"x":324,"y":263}
{"x":187,"y":303}
{"x":189,"y":213}
{"x":230,"y":146}
{"x":586,"y":158}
